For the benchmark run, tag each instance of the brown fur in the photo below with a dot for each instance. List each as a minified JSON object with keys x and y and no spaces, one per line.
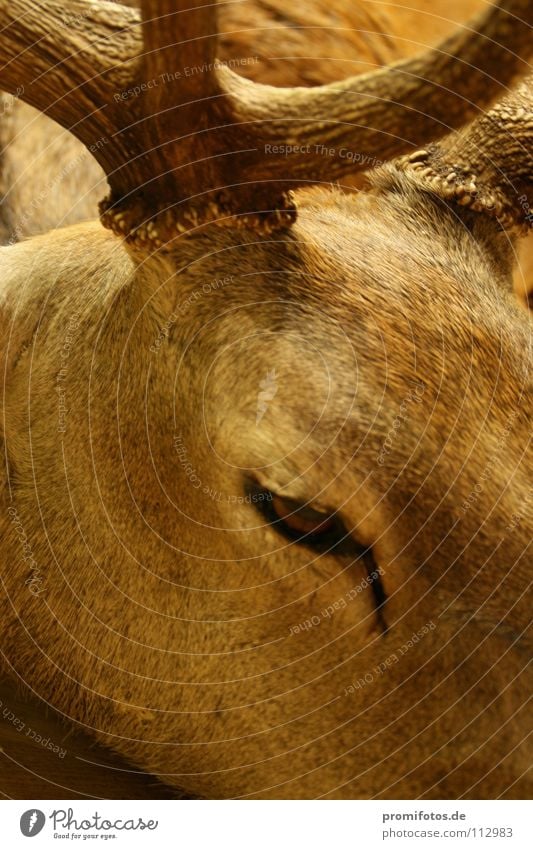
{"x":165,"y":616}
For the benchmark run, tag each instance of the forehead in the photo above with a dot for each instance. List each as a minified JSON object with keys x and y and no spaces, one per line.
{"x":357,"y":285}
{"x":347,"y":258}
{"x":354,"y":255}
{"x":328,"y":329}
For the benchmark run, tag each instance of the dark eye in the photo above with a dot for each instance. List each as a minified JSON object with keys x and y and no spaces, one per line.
{"x":299,"y":522}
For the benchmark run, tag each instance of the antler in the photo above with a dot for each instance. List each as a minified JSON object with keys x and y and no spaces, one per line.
{"x":488,"y":167}
{"x":184,"y":140}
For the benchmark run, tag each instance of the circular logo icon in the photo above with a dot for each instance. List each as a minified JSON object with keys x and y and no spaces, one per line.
{"x":32,"y":822}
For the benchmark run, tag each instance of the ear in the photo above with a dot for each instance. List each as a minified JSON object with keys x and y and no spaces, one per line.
{"x":16,"y":331}
{"x":5,"y":324}
{"x":4,"y":370}
{"x":523,"y":276}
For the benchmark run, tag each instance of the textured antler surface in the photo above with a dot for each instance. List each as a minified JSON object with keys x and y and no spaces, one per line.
{"x":184,"y":141}
{"x":488,"y":167}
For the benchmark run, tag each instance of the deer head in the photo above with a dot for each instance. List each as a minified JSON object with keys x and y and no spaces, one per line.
{"x":267,"y":498}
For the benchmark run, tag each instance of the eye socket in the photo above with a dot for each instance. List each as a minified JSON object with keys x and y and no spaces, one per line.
{"x":323,"y":531}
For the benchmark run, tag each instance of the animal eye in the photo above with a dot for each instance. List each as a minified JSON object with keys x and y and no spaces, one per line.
{"x":301,"y":520}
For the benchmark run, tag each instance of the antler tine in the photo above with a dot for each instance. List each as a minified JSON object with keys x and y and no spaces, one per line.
{"x":180,"y":75}
{"x":170,"y":34}
{"x":187,"y":148}
{"x":234,"y":135}
{"x":68,"y":59}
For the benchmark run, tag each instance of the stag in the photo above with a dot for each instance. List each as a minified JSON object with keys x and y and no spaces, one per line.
{"x":266,"y":499}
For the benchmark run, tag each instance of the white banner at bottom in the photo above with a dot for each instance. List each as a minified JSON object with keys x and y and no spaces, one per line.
{"x":267,"y":824}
